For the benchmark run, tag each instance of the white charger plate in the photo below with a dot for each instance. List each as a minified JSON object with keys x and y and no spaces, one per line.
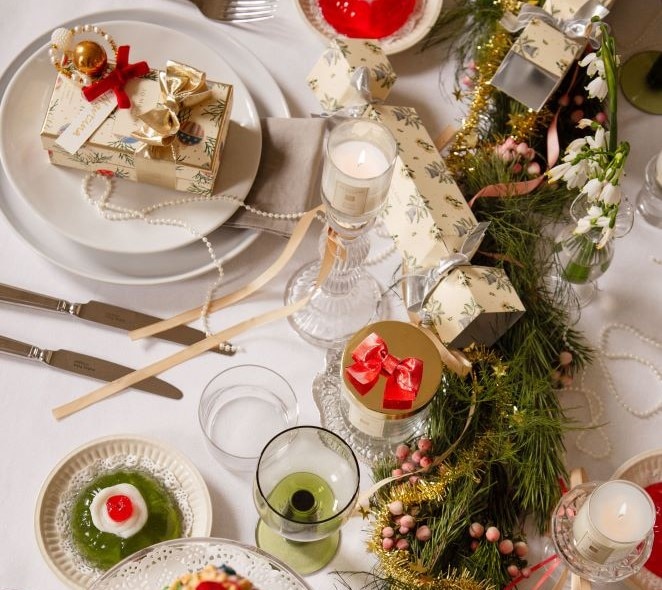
{"x":162,"y":267}
{"x":134,"y":449}
{"x":54,"y":192}
{"x":417,"y":26}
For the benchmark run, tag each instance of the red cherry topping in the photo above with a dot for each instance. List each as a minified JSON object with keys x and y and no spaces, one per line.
{"x":207,"y":585}
{"x":366,"y":19}
{"x":654,"y":563}
{"x":119,"y":507}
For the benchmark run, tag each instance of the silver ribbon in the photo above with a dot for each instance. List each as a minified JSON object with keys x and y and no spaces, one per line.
{"x":417,"y":288}
{"x":578,"y":27}
{"x":359,"y":81}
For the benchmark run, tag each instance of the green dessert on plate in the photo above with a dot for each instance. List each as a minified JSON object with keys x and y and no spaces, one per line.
{"x":120,"y":513}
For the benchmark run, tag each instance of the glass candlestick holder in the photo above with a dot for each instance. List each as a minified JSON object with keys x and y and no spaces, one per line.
{"x":359,"y":156}
{"x":603,"y":531}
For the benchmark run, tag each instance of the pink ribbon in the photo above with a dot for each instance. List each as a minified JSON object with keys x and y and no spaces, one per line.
{"x":403,"y":377}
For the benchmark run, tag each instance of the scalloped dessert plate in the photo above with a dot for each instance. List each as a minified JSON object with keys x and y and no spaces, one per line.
{"x":417,"y":26}
{"x":644,"y":469}
{"x":49,"y":539}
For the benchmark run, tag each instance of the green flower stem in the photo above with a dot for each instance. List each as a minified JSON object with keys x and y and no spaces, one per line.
{"x":578,"y":268}
{"x":607,"y":53}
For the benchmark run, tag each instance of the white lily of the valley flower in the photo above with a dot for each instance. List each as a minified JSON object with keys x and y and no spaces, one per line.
{"x":611,"y":194}
{"x":593,"y":188}
{"x":597,"y":88}
{"x":583,"y":225}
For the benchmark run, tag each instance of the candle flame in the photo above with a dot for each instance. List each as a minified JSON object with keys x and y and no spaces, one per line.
{"x":362,"y":158}
{"x":622,"y":511}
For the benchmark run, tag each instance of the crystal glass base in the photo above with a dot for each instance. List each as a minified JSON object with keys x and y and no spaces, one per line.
{"x":331,"y":318}
{"x":564,"y":543}
{"x":303,"y":558}
{"x":334,"y":416}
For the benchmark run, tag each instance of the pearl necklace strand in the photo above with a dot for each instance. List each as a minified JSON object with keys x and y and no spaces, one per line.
{"x":113,"y":212}
{"x":602,"y":348}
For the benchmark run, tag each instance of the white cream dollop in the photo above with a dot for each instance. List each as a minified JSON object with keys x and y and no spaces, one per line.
{"x":127,"y":528}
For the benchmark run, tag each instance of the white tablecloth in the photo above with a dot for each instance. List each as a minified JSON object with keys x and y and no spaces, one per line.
{"x":32,"y":442}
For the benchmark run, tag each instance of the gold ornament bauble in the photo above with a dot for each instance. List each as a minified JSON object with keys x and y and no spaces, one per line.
{"x":89,"y":58}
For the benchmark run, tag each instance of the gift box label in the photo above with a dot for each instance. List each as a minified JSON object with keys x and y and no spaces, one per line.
{"x":426,"y":213}
{"x":198,"y":147}
{"x":335,"y":78}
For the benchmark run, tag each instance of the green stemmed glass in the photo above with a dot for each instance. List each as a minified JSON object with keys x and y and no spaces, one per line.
{"x":305,"y":488}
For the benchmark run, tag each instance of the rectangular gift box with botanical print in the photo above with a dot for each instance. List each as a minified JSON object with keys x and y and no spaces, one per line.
{"x":190,"y":164}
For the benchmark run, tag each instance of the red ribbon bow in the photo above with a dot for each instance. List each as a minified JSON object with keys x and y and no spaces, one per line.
{"x":116,"y":80}
{"x":372,"y":359}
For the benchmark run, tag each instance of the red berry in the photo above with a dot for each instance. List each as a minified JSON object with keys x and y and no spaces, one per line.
{"x":367,"y":19}
{"x":119,"y":508}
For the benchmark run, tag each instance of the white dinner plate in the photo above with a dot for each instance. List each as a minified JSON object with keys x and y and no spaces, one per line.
{"x":54,"y":192}
{"x":103,"y":455}
{"x":162,"y":267}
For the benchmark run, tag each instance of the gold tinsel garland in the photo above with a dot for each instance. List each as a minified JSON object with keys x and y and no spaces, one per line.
{"x":399,"y":565}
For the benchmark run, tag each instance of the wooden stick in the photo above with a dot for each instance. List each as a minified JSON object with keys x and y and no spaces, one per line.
{"x":195,"y":349}
{"x":192,"y":314}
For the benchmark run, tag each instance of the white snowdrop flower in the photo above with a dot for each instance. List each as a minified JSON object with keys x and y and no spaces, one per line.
{"x":583,"y":225}
{"x":599,"y":141}
{"x":556,"y":173}
{"x":588,"y":59}
{"x":575,"y":176}
{"x":594,"y":212}
{"x":606,"y":236}
{"x":611,"y":194}
{"x":597,"y":88}
{"x":602,"y":221}
{"x":576,"y":146}
{"x":584,"y":123}
{"x":593,"y":188}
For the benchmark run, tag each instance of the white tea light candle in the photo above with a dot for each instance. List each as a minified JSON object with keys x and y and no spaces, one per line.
{"x":615,"y":518}
{"x":357,"y":170}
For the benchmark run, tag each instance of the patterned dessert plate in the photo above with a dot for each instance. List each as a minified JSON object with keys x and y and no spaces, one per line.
{"x":178,"y":475}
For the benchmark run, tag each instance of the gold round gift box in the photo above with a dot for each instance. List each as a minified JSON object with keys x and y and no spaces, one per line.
{"x":366,"y":412}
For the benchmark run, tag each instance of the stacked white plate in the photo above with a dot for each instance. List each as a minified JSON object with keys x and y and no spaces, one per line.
{"x":44,"y":203}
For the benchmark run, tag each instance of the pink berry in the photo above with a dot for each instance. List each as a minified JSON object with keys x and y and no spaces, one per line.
{"x":476,"y":530}
{"x":408,"y":467}
{"x":397,"y":472}
{"x":416,"y":456}
{"x":423,"y":533}
{"x":513,"y":571}
{"x":402,"y":544}
{"x":492,"y":534}
{"x":517,"y":167}
{"x":566,"y":380}
{"x":564,"y":101}
{"x":403,"y":530}
{"x":507,"y":156}
{"x":533,"y":169}
{"x":426,"y":462}
{"x":388,"y":531}
{"x":473,"y":545}
{"x":510,"y":144}
{"x":424,"y":445}
{"x":526,"y":572}
{"x":530,"y":154}
{"x":601,"y":117}
{"x":521,"y":549}
{"x":396,"y":508}
{"x":408,"y":521}
{"x":413,"y":479}
{"x":565,"y":357}
{"x":506,"y":547}
{"x":522,"y":148}
{"x":402,"y":452}
{"x":388,"y":543}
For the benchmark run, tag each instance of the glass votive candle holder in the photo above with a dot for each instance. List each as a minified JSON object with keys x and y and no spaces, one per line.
{"x":241,"y":409}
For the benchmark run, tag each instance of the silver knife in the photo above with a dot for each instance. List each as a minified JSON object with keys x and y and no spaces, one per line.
{"x":104,"y":313}
{"x":83,"y":364}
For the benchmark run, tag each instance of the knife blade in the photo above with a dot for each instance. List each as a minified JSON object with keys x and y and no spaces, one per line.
{"x":84,"y":364}
{"x":105,"y":314}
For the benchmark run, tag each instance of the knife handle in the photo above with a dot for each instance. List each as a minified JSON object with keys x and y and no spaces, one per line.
{"x":21,"y":349}
{"x":10,"y":294}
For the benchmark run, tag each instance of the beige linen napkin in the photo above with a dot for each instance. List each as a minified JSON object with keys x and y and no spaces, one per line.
{"x":287,"y":179}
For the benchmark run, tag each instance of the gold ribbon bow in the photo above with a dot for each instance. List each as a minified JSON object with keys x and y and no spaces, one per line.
{"x":181,"y":86}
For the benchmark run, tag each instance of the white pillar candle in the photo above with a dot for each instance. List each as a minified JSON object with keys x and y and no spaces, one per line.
{"x":359,"y":159}
{"x":615,"y":518}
